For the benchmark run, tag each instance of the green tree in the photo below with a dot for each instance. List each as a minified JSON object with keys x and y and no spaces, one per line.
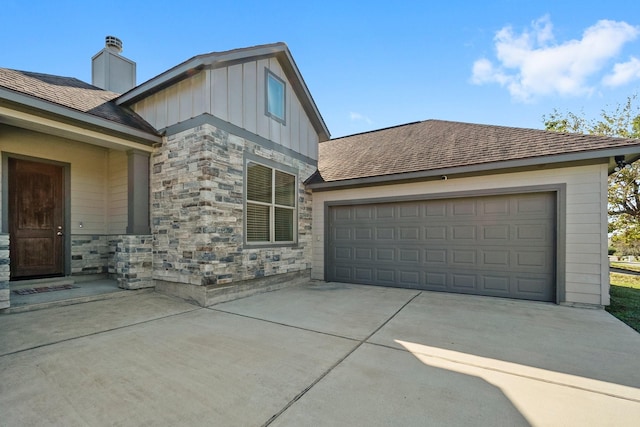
{"x":624,"y":185}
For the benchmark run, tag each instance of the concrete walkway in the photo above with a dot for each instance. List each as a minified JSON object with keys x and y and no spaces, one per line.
{"x":322,"y":355}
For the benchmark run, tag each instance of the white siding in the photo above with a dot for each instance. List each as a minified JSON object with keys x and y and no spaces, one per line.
{"x":235,"y":94}
{"x":219,"y":90}
{"x":250,"y":96}
{"x":89,"y":167}
{"x":586,"y":264}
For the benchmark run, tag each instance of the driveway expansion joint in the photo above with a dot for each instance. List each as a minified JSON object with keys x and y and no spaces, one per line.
{"x":128,"y":325}
{"x":336,"y":364}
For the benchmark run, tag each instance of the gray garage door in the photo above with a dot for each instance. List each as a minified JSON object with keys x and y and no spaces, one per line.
{"x":498,"y":245}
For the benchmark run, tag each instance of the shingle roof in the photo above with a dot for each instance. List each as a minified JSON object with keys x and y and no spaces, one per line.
{"x":435,"y":144}
{"x":72,"y":93}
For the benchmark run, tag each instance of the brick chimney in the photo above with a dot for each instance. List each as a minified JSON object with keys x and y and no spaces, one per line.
{"x":112,"y":71}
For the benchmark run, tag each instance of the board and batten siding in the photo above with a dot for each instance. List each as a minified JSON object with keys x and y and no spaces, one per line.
{"x":235,"y":94}
{"x":586,"y":262}
{"x":90,"y":177}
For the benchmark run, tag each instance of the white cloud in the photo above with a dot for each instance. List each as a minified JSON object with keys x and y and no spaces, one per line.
{"x":623,"y":73}
{"x":355,"y":117}
{"x":532,"y":63}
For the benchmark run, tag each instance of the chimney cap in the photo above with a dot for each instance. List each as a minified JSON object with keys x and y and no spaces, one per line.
{"x":113,"y":43}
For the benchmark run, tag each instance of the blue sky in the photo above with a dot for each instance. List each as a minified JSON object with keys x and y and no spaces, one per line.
{"x":368,"y":65}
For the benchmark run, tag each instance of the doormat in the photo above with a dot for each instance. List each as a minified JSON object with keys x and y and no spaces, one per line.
{"x":29,"y":291}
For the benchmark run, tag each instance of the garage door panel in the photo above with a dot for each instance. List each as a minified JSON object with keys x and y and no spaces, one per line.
{"x":495,"y":258}
{"x":463,"y":232}
{"x":532,"y":287}
{"x":385,"y":276}
{"x":495,"y":232}
{"x":496,"y":284}
{"x":341,"y":253}
{"x":342,"y":274}
{"x":529,"y":232}
{"x":435,"y":256}
{"x":363,"y":255}
{"x":463,"y":207}
{"x":526,"y":259}
{"x":533,"y":205}
{"x":407,"y":211}
{"x":435,"y":281}
{"x":463,"y":257}
{"x":364,"y":212}
{"x":494,"y":245}
{"x":435,"y":232}
{"x":363,"y":274}
{"x":385,"y":233}
{"x":409,"y":233}
{"x":409,"y":255}
{"x":435,"y":209}
{"x":342,"y":233}
{"x":409,"y":278}
{"x":496,"y":207}
{"x":385,"y":254}
{"x":463,"y":282}
{"x":385,"y":212}
{"x":363,"y":233}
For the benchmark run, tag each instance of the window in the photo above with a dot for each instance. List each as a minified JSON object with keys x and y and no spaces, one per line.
{"x":271,"y":205}
{"x":275,"y":98}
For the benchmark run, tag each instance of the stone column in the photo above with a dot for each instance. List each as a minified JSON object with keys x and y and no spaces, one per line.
{"x":133,"y":261}
{"x":4,"y":272}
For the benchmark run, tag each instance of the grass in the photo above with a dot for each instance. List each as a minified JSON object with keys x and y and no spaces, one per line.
{"x":625,"y":298}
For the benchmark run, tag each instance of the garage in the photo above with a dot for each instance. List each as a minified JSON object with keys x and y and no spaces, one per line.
{"x":502,"y":245}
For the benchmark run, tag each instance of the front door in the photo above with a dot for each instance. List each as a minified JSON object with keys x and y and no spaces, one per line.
{"x":36,"y":219}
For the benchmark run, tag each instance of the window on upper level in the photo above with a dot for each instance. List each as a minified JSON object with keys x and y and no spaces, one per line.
{"x":271,"y":205}
{"x":275,"y":97}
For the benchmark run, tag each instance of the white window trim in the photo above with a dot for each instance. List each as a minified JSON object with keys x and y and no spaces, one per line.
{"x":272,"y":207}
{"x":268,"y":73}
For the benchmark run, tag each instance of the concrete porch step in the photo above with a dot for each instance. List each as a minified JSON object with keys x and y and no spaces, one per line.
{"x":35,"y":283}
{"x":73,"y":300}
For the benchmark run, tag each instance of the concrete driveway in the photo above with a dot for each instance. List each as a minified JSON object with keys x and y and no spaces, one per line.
{"x":322,"y":354}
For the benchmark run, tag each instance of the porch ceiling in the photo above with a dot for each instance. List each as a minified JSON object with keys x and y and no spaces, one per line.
{"x":84,"y":132}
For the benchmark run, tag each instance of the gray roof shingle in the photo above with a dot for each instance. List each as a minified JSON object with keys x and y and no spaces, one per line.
{"x":72,"y":93}
{"x":436,"y":144}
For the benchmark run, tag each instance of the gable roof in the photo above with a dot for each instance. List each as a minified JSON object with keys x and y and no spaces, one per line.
{"x":436,"y":147}
{"x":69,"y":93}
{"x":220,"y":59}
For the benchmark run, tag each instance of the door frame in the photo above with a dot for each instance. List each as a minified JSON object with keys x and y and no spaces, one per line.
{"x":66,"y":178}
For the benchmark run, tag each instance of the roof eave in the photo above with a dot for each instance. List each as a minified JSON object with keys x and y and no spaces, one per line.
{"x":631,"y":153}
{"x":45,"y":108}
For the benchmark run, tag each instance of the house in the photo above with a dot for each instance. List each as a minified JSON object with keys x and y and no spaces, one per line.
{"x":467,"y":208}
{"x":192,"y":182}
{"x":218,"y":178}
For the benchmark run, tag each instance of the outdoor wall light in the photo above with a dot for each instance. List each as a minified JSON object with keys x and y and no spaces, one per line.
{"x":621,"y":163}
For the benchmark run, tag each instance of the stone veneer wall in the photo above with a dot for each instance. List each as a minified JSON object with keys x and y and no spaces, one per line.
{"x":89,"y":254}
{"x":197,"y":203}
{"x":4,"y":271}
{"x":131,"y":261}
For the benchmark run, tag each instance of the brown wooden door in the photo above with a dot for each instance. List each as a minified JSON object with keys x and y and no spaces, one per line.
{"x":36,"y":219}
